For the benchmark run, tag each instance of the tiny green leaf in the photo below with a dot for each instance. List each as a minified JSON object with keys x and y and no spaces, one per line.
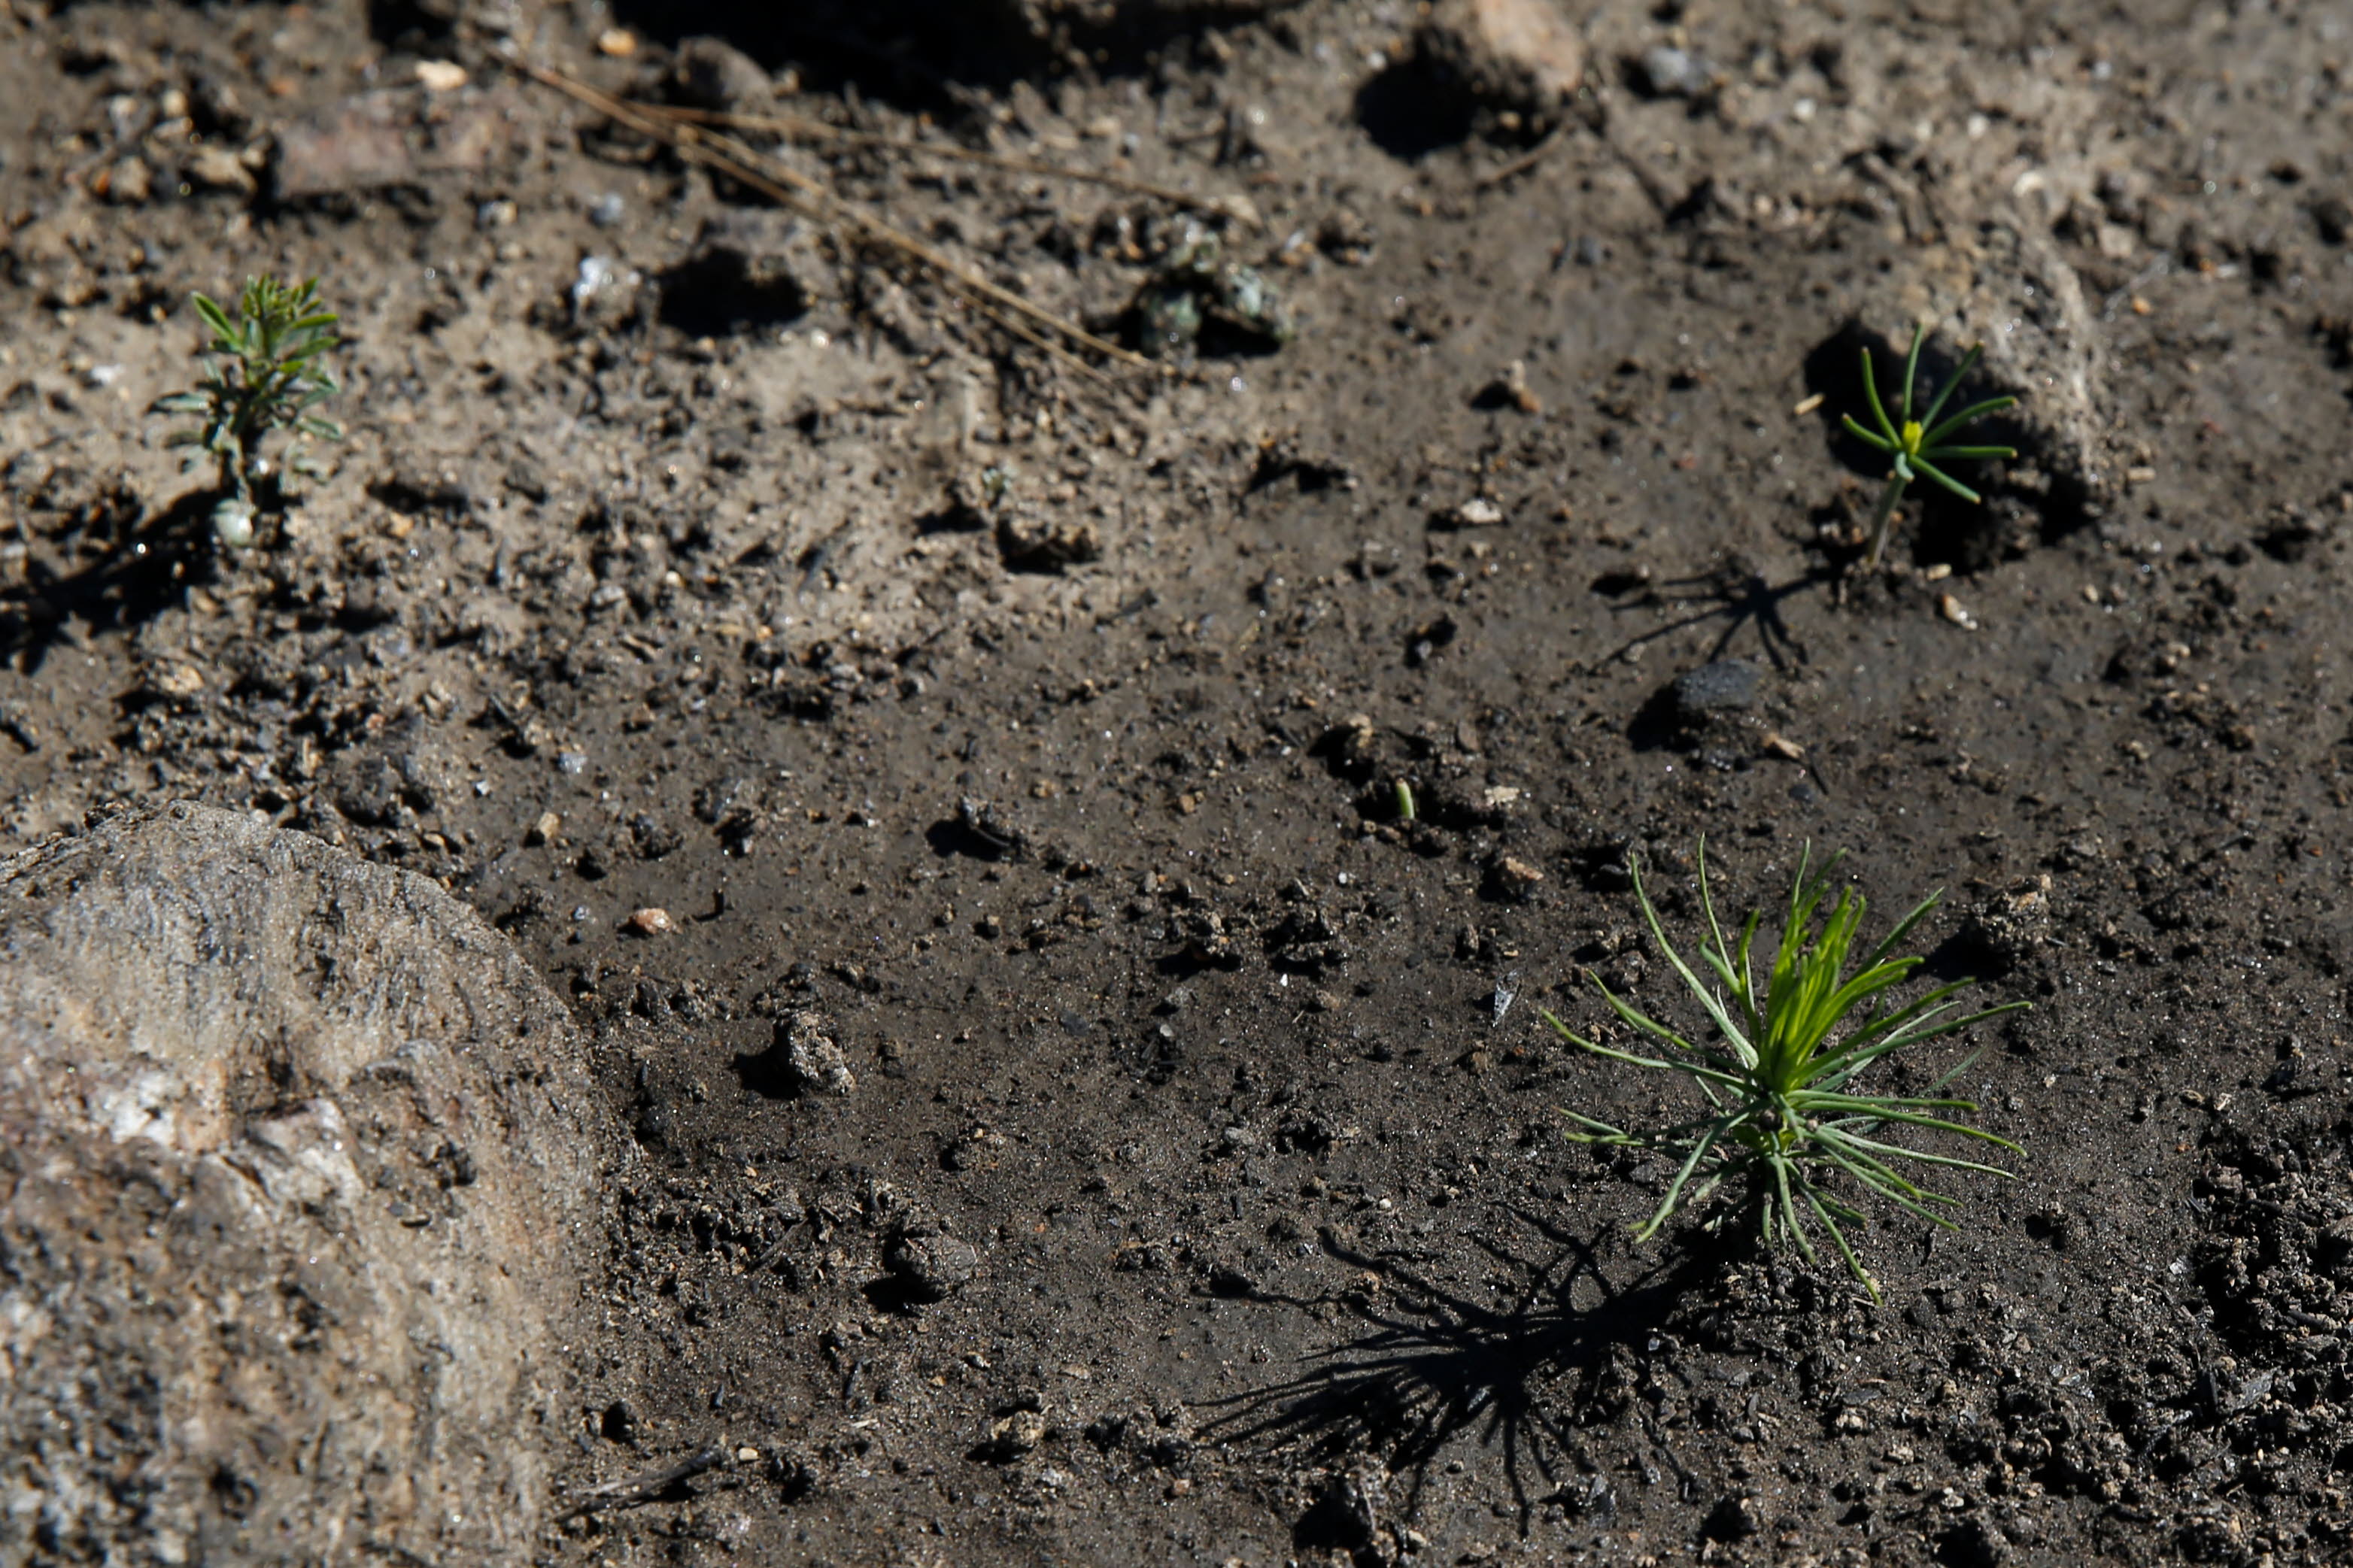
{"x":1916,"y":445}
{"x":265,"y":369}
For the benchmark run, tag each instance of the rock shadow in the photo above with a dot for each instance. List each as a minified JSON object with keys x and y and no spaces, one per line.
{"x":149,"y":566}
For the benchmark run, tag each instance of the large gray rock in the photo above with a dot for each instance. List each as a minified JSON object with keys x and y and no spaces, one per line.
{"x":298,"y":1165}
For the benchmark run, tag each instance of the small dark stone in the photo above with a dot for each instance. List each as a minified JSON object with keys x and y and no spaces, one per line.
{"x":527,"y":479}
{"x":652,"y":838}
{"x":1228,"y":1280}
{"x":2333,"y":216}
{"x":714,"y":74}
{"x":1728,"y":686}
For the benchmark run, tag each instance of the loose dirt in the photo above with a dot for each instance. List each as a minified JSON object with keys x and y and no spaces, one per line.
{"x":1076,"y":1118}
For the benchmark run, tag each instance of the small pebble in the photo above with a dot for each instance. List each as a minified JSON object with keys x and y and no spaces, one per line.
{"x":178,"y":681}
{"x":1726,"y":686}
{"x":608,"y":210}
{"x":1519,"y":870}
{"x":813,"y":1059}
{"x":650,"y":922}
{"x":1673,"y":73}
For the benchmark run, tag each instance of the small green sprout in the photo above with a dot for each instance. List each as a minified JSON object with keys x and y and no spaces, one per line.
{"x":264,"y":371}
{"x":1783,"y":1118}
{"x":1918,"y":444}
{"x":1405,"y":800}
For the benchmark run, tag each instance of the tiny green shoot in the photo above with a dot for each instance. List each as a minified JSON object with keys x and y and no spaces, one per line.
{"x":1919,"y":445}
{"x":265,"y":369}
{"x":1405,"y":800}
{"x":1784,"y":1118}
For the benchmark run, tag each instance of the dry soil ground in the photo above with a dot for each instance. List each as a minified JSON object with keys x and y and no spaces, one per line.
{"x":1197,"y":1189}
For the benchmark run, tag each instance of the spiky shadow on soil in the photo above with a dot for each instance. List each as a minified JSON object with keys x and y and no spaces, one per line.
{"x":1436,"y":1365}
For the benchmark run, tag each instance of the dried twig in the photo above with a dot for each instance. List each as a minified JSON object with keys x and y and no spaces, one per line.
{"x":1521,"y":165}
{"x":1237,"y":208}
{"x":794,"y":189}
{"x":645,"y":1484}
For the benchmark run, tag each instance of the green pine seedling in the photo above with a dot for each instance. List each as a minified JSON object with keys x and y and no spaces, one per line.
{"x":1919,"y":445}
{"x":1784,"y":1118}
{"x":264,"y":371}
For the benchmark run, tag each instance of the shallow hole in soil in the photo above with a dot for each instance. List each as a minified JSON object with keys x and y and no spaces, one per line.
{"x":409,"y":24}
{"x":911,"y":52}
{"x":767,"y":1072}
{"x":714,"y":295}
{"x":1409,"y":113}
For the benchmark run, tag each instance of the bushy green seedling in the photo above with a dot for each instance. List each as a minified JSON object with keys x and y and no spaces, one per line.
{"x":1784,"y":1118}
{"x":1919,"y":445}
{"x":264,"y":371}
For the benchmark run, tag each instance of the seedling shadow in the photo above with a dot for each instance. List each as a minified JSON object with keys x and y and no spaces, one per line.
{"x":1738,"y":593}
{"x":143,"y":572}
{"x":1434,"y":1364}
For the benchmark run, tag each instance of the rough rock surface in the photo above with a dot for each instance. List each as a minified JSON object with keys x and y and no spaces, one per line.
{"x":2006,"y":285}
{"x":816,"y":1062}
{"x":713,"y":73}
{"x":1525,"y":54}
{"x":377,"y":140}
{"x":297,"y":1163}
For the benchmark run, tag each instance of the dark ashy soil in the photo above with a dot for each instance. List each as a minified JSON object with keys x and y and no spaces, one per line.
{"x":1076,"y":1118}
